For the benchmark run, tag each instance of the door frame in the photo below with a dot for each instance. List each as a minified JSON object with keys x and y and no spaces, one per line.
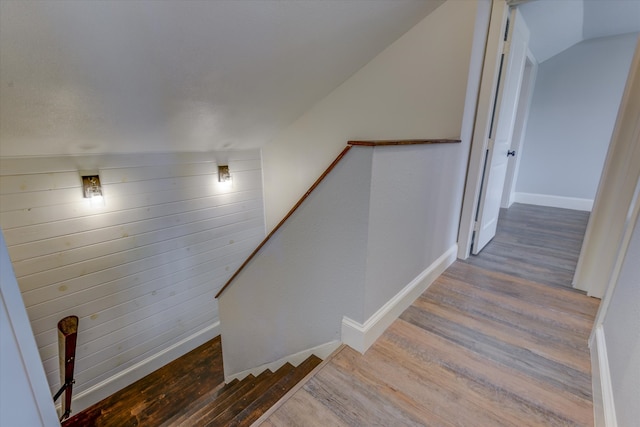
{"x":606,"y":238}
{"x":496,"y":165}
{"x":602,"y":246}
{"x":482,"y":127}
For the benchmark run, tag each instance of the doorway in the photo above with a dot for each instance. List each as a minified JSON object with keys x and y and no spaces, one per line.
{"x":481,"y":144}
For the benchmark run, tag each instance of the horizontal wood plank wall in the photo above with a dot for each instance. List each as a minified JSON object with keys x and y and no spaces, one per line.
{"x":141,"y":271}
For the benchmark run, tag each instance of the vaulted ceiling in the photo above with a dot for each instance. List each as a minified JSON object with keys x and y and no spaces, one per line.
{"x":559,"y":24}
{"x":146,"y":75}
{"x":139,"y":76}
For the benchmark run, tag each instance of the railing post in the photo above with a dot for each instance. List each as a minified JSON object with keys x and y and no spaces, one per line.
{"x":67,"y":338}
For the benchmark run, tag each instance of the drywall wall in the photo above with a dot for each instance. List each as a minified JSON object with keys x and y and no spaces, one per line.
{"x":571,"y":119}
{"x":622,"y":332}
{"x":371,"y":227}
{"x":25,"y":400}
{"x":413,"y":89}
{"x":141,"y":271}
{"x":415,"y":198}
{"x":294,"y":293}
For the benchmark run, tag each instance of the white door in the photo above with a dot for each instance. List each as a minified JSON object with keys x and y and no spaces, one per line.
{"x":496,"y":160}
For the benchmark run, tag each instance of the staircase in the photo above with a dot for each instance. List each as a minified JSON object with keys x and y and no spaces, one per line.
{"x":190,"y":391}
{"x":240,"y":403}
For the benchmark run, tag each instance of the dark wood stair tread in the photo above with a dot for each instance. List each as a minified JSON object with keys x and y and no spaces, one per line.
{"x":209,"y":412}
{"x":259,"y":406}
{"x":246,"y":401}
{"x":260,"y":388}
{"x":201,"y":402}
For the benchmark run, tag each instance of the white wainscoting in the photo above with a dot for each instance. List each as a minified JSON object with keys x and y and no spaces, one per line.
{"x":141,"y":271}
{"x":554,"y":201}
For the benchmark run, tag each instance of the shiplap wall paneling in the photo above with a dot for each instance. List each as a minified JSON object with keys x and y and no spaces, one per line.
{"x":141,"y":271}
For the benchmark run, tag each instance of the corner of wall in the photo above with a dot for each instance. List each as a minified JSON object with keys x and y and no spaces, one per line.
{"x":361,"y":336}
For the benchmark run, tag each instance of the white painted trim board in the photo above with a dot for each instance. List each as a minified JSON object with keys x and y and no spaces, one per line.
{"x":603,"y":402}
{"x":322,"y":351}
{"x":361,"y":336}
{"x":574,"y":203}
{"x":111,"y":385}
{"x":26,"y":347}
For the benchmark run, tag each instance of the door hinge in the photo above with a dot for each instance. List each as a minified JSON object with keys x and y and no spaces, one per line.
{"x":506,"y":47}
{"x":476,"y":226}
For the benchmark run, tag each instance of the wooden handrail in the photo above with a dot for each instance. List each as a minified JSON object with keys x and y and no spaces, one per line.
{"x":277,"y":227}
{"x":403,"y":142}
{"x":319,"y":180}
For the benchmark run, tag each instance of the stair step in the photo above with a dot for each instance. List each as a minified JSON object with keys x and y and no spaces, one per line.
{"x":200,"y":403}
{"x":259,"y":389}
{"x":235,"y":393}
{"x":240,"y":403}
{"x":258,"y":407}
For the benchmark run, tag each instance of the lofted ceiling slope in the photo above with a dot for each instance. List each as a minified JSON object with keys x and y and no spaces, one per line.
{"x":141,"y":76}
{"x":559,"y":24}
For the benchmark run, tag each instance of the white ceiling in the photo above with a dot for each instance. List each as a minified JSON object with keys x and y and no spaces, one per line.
{"x":556,"y":25}
{"x":125,"y":76}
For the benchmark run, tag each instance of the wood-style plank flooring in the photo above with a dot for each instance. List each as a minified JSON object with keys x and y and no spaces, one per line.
{"x":536,"y":243}
{"x":161,"y":395}
{"x":500,"y":340}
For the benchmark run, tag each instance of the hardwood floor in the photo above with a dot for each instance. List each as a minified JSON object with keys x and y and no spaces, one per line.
{"x":499,"y":340}
{"x":161,"y":395}
{"x":536,"y":243}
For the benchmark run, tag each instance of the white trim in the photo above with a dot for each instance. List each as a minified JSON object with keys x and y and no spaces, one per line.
{"x":106,"y":388}
{"x":322,"y":351}
{"x":361,"y":336}
{"x":11,"y":298}
{"x":614,"y":198}
{"x":604,"y":394}
{"x":554,"y":201}
{"x":482,"y":108}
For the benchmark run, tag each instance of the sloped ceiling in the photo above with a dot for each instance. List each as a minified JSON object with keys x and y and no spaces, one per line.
{"x":559,"y":24}
{"x":124,"y":76}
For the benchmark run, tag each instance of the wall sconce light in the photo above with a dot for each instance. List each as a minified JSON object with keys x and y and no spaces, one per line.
{"x":223,"y":173}
{"x":92,"y":189}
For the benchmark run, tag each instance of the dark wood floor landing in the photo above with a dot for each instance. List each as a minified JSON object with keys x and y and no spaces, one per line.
{"x":160,"y":395}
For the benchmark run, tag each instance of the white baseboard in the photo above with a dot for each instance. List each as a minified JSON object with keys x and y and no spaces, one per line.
{"x":106,"y":388}
{"x":603,"y":406}
{"x":322,"y":351}
{"x":360,"y":336}
{"x":554,"y":201}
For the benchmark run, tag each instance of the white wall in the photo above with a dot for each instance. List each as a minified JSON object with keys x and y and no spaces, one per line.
{"x":572,"y":115}
{"x":314,"y":271}
{"x":24,"y":394}
{"x":413,"y":89}
{"x":372,"y":226}
{"x":622,"y":332}
{"x":140,"y":272}
{"x":414,"y":215}
{"x":293,"y":294}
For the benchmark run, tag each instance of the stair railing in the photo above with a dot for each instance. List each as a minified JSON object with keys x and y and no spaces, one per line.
{"x":319,"y":180}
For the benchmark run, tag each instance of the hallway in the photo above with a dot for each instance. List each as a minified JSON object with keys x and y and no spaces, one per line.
{"x":499,"y":339}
